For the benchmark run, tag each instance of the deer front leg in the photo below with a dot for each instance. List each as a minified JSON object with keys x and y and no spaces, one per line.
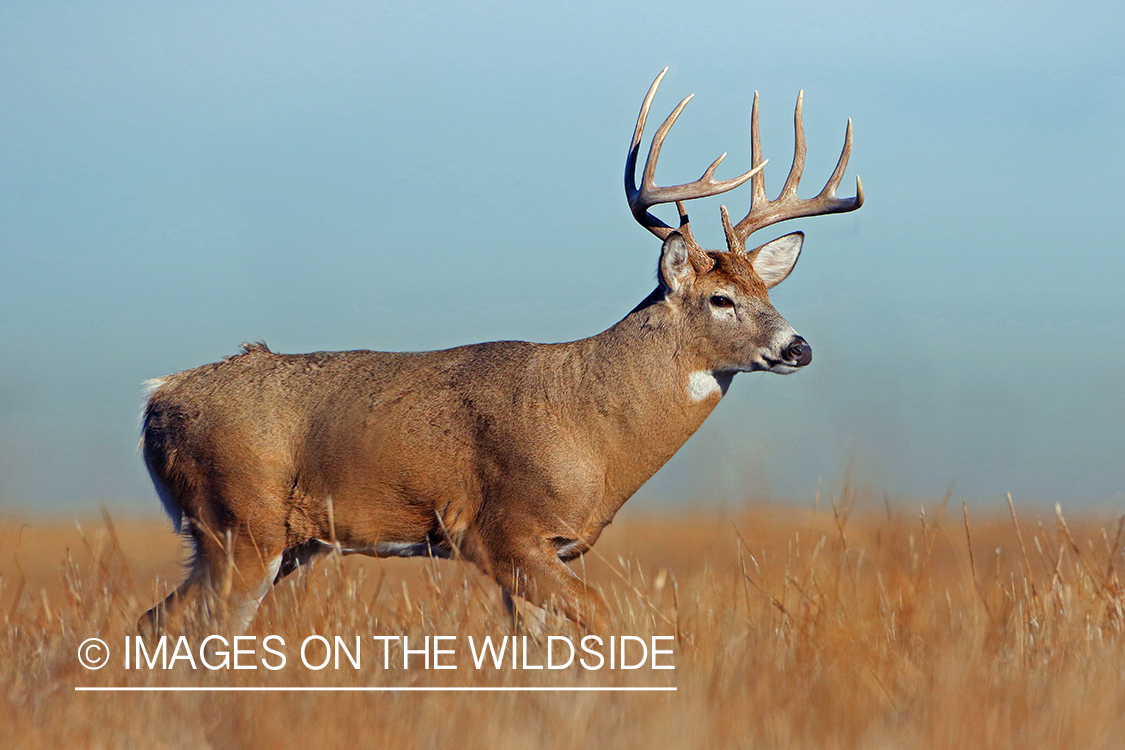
{"x":535,"y":572}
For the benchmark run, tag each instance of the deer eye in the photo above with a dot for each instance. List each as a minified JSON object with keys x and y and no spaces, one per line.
{"x":719,"y":300}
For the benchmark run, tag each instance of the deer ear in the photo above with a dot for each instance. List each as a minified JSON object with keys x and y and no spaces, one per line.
{"x":774,"y":260}
{"x":675,"y":263}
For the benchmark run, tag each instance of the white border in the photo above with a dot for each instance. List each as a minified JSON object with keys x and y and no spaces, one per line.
{"x":298,"y":689}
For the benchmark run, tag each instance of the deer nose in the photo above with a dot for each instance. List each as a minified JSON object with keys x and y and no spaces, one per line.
{"x":798,"y":351}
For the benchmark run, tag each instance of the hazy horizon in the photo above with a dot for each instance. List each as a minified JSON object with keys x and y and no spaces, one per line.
{"x":177,"y":180}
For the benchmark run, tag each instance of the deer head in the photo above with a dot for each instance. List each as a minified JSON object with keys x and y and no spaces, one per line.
{"x":722,"y":297}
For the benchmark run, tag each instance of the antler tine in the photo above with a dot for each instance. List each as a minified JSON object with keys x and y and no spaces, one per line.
{"x":799,"y":149}
{"x":631,"y":191}
{"x":764,"y":212}
{"x":648,"y":177}
{"x":841,"y":164}
{"x":648,"y":194}
{"x":758,"y":188}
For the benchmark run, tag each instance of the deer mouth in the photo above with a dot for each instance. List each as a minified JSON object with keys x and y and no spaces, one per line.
{"x":784,"y":366}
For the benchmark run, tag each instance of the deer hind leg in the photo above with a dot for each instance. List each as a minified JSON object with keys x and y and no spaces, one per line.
{"x":174,"y":610}
{"x":231,"y":572}
{"x":301,"y":558}
{"x":252,"y":578}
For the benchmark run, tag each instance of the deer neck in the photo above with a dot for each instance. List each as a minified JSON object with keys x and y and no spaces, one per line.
{"x":651,"y":390}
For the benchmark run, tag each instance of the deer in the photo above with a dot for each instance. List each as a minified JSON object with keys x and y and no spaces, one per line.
{"x":510,"y":455}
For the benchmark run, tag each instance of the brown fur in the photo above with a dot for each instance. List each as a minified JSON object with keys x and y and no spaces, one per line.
{"x":512,"y":455}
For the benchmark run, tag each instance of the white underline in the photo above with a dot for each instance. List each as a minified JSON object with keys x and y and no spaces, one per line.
{"x":380,"y":689}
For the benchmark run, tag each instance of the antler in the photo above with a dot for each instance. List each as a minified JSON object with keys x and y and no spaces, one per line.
{"x":764,"y":212}
{"x":649,"y":194}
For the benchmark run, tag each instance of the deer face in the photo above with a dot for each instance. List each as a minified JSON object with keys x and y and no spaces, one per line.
{"x":724,"y":300}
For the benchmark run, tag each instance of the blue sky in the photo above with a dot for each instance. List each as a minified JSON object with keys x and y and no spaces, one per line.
{"x":177,"y":179}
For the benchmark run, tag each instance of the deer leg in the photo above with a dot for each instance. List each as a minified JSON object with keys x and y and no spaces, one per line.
{"x":538,"y":576}
{"x":186,"y":598}
{"x":301,"y":558}
{"x":533,"y":617}
{"x":230,"y":575}
{"x":257,"y":576}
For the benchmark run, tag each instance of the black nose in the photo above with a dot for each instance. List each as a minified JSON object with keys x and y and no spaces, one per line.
{"x":798,"y":351}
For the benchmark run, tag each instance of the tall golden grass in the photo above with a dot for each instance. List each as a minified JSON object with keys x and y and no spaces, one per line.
{"x":838,"y":627}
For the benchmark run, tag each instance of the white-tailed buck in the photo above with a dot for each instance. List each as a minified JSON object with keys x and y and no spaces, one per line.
{"x":514,"y":456}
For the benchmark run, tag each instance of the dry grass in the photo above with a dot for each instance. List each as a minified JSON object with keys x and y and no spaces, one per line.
{"x":794,"y":628}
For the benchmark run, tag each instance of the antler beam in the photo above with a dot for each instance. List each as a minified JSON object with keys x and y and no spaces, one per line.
{"x":649,"y":194}
{"x":764,"y":212}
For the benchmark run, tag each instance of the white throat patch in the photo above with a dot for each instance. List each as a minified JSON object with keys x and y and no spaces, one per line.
{"x":701,"y":384}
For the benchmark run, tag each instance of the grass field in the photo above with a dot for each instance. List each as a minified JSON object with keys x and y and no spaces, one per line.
{"x":850,"y":625}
